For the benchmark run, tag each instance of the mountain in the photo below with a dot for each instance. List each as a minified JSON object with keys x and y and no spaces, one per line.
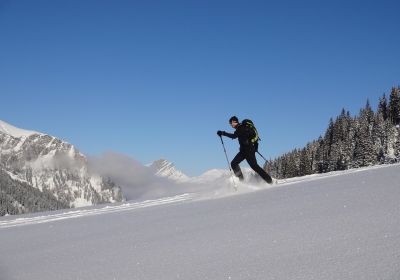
{"x":33,"y":161}
{"x":340,"y":225}
{"x":17,"y":196}
{"x":15,"y":131}
{"x":164,"y":168}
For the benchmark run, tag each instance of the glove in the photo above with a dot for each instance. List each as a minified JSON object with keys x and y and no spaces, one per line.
{"x":220,"y":133}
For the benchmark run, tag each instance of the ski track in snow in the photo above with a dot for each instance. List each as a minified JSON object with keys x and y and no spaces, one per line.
{"x":91,"y":212}
{"x":323,"y":226}
{"x":243,"y":188}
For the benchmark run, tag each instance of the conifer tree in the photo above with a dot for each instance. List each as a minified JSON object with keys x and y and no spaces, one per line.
{"x":319,"y":156}
{"x":364,"y":149}
{"x":383,"y":107}
{"x":392,"y":138}
{"x":397,"y":146}
{"x":306,"y":161}
{"x":379,"y":136}
{"x":349,"y":142}
{"x":394,"y":106}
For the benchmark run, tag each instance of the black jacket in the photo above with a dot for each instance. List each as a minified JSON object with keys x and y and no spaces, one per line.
{"x":244,"y":134}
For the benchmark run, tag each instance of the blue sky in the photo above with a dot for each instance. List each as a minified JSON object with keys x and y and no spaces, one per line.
{"x":157,"y":79}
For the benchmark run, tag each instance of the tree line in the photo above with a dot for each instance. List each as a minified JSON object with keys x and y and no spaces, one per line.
{"x":18,"y":197}
{"x":369,"y":138}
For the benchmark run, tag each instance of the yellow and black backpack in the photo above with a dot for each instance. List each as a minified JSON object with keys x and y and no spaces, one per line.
{"x":253,"y":133}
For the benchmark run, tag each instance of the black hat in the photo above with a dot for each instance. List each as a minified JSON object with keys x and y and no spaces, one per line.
{"x":233,"y":119}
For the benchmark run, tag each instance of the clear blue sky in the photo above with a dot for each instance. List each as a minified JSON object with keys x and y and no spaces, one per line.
{"x":154,"y":79}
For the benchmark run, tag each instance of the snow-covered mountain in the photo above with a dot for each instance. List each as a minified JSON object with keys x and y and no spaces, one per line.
{"x":50,"y":165}
{"x":15,"y":131}
{"x":340,"y":225}
{"x":167,"y":169}
{"x":164,"y":168}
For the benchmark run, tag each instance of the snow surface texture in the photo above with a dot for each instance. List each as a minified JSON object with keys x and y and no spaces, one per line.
{"x":343,"y":225}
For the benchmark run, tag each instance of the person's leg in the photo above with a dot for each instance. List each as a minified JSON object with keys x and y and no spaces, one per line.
{"x":252,"y":161}
{"x":235,"y":165}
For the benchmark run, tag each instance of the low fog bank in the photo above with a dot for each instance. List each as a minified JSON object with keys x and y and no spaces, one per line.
{"x":140,"y":182}
{"x":136,"y":180}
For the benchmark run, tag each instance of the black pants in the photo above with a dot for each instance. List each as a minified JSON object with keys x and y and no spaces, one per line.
{"x":248,"y":154}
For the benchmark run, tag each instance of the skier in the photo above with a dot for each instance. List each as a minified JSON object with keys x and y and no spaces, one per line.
{"x":247,"y":150}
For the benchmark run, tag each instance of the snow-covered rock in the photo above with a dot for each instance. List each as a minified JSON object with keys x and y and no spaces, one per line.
{"x":164,"y":168}
{"x":15,"y":131}
{"x":52,"y":165}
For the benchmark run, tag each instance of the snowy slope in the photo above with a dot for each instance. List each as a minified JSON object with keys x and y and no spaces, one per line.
{"x":343,"y":225}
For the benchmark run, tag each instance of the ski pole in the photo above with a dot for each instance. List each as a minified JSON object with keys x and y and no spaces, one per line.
{"x":227,"y":160}
{"x":262,"y":156}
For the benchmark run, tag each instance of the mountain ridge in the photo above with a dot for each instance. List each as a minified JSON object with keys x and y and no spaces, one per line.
{"x":51,"y":165}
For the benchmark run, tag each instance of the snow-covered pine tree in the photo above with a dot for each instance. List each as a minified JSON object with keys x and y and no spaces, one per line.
{"x":383,"y":107}
{"x":379,"y":137}
{"x":397,"y":146}
{"x":329,"y":147}
{"x":306,"y":160}
{"x":394,"y":106}
{"x":294,"y":163}
{"x":364,"y":154}
{"x":349,"y":142}
{"x":340,"y":155}
{"x":319,"y":165}
{"x":312,"y":151}
{"x":392,"y":139}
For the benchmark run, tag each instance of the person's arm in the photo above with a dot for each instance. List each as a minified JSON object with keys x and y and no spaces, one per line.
{"x":231,"y":135}
{"x":227,"y":134}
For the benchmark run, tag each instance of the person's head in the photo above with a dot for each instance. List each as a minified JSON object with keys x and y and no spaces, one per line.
{"x":234,"y":121}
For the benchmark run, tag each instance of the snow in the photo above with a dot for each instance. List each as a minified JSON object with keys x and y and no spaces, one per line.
{"x":164,"y":168}
{"x":81,"y":202}
{"x":46,"y":161}
{"x":95,"y":182}
{"x":14,"y":131}
{"x":15,"y":177}
{"x":343,"y":225}
{"x":90,"y":212}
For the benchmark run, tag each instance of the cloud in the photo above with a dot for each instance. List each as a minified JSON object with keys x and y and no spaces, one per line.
{"x":56,"y":160}
{"x":136,"y":180}
{"x":139,"y":182}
